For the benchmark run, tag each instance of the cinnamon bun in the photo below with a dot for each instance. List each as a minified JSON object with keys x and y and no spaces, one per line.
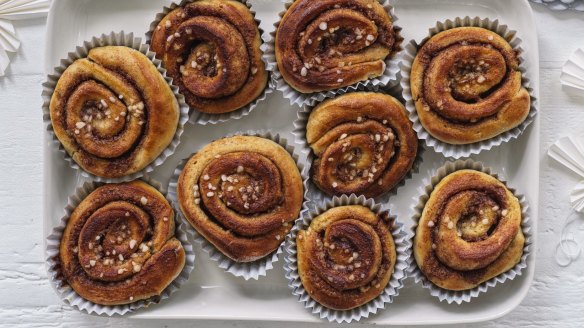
{"x":119,"y":247}
{"x":346,"y":257}
{"x":467,"y":86}
{"x":328,"y":44}
{"x":242,"y":194}
{"x":211,"y":49}
{"x":113,"y":112}
{"x":363,"y":144}
{"x":469,"y":232}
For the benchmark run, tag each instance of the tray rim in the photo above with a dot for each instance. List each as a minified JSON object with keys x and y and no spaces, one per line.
{"x":48,"y":181}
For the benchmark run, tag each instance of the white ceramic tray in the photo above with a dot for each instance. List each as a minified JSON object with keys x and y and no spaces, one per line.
{"x":213,"y":294}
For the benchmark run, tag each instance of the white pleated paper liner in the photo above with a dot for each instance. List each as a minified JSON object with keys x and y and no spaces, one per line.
{"x":69,"y":296}
{"x":111,"y":39}
{"x":246,"y":270}
{"x":402,"y":245}
{"x":388,"y":77}
{"x":299,"y":132}
{"x":459,"y":297}
{"x":459,"y":151}
{"x":197,"y":117}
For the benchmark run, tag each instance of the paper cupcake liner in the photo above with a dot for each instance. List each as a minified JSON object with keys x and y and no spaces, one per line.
{"x":459,"y":297}
{"x":69,"y":296}
{"x":402,"y":244}
{"x":197,"y":117}
{"x":299,"y":132}
{"x":112,"y":39}
{"x":458,"y":151}
{"x":246,"y":270}
{"x":389,"y":76}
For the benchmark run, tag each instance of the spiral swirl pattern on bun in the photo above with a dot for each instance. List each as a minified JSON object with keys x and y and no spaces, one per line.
{"x":113,"y":112}
{"x":211,"y":49}
{"x":119,"y":247}
{"x":328,"y":44}
{"x":469,"y":232}
{"x":346,"y":257}
{"x":467,"y":86}
{"x":363,"y":142}
{"x":242,"y":194}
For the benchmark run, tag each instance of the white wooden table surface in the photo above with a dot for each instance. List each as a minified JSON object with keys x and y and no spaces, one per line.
{"x":26,"y":299}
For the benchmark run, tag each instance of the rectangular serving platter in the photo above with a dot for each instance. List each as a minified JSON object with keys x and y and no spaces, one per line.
{"x":214,"y":294}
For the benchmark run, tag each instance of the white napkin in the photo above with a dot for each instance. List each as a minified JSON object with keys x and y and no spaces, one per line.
{"x":572,"y":77}
{"x":569,"y":151}
{"x":14,"y":10}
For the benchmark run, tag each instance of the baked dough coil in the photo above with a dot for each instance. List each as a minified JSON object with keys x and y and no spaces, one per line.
{"x":113,"y":112}
{"x":467,"y":86}
{"x":346,"y":257}
{"x":469,"y":231}
{"x":118,"y":246}
{"x":211,"y":49}
{"x":329,"y":44}
{"x":242,"y":194}
{"x":363,"y":142}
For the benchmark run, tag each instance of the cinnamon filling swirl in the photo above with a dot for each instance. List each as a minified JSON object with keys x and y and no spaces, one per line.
{"x":118,"y":246}
{"x":113,"y":112}
{"x":467,"y":86}
{"x":346,"y":257}
{"x":242,"y":194}
{"x":363,"y":142}
{"x":211,"y":49}
{"x":324,"y":45}
{"x":469,"y":232}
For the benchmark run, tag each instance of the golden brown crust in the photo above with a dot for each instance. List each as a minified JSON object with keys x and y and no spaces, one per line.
{"x":211,"y":49}
{"x":469,"y":232}
{"x":467,"y":86}
{"x":346,"y":257}
{"x":242,"y":194}
{"x":113,"y":112}
{"x":118,"y":246}
{"x":329,"y":44}
{"x":363,"y":143}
